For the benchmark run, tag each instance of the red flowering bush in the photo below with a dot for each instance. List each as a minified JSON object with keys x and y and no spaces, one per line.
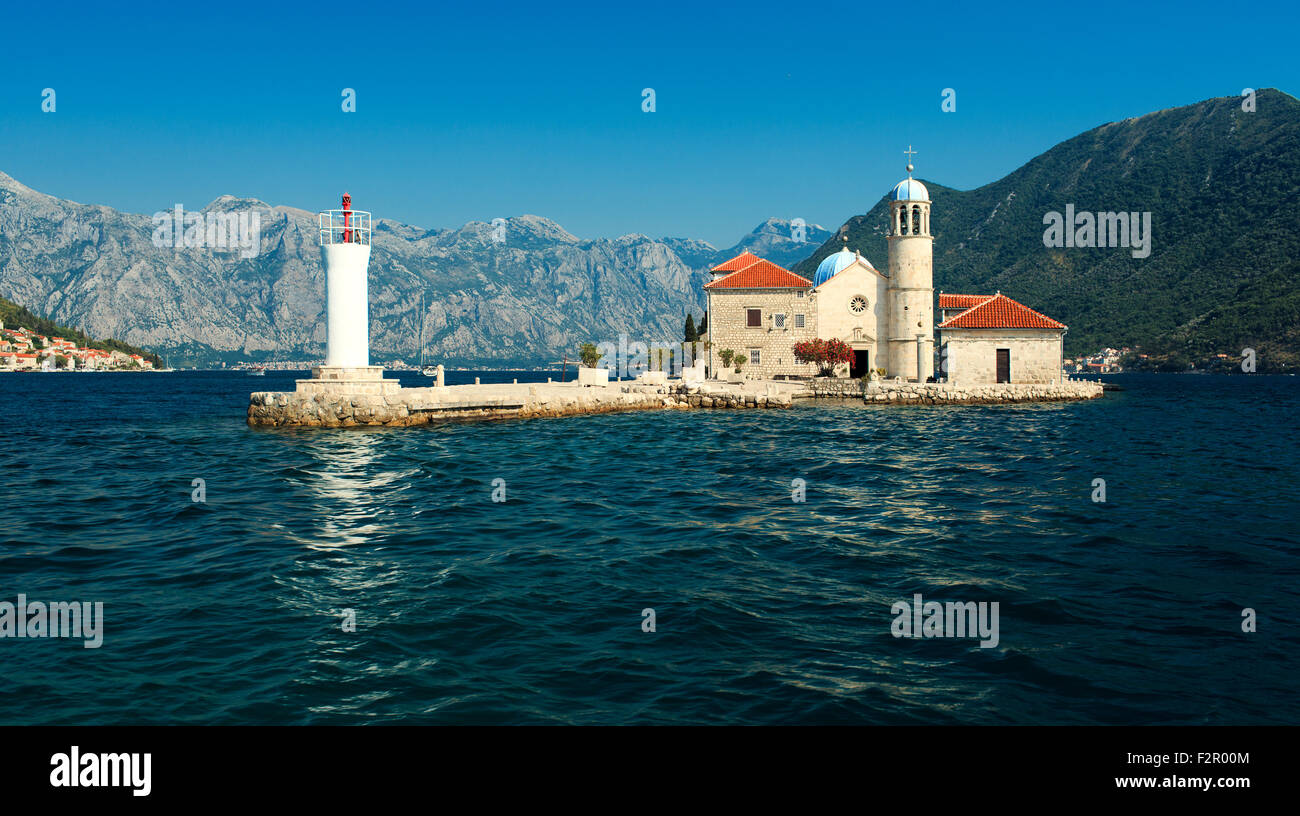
{"x":825,"y":354}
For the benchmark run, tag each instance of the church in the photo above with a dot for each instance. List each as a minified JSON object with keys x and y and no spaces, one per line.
{"x":761,"y":310}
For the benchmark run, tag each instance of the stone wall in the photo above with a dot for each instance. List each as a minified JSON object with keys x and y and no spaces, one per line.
{"x":889,"y":391}
{"x":419,"y":406}
{"x":833,"y":388}
{"x":949,"y":394}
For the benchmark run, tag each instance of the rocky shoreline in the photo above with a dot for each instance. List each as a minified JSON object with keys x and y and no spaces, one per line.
{"x":323,"y":408}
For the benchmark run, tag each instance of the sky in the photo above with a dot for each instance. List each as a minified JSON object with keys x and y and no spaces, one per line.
{"x":474,"y":111}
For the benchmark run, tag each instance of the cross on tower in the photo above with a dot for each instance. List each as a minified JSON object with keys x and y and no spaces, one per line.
{"x":909,"y":152}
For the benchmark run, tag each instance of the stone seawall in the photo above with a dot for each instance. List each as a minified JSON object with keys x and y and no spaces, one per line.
{"x":315,"y":405}
{"x":948,"y":394}
{"x":419,"y":406}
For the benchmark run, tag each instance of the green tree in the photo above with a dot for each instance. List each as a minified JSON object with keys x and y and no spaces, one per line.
{"x":704,"y":326}
{"x":691,"y":333}
{"x":726,"y":355}
{"x":589,"y":355}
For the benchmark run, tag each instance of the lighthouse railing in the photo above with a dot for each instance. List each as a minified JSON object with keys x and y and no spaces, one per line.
{"x":345,"y":227}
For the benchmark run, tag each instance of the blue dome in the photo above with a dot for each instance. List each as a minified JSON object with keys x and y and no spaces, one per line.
{"x":832,"y":266}
{"x":909,"y":190}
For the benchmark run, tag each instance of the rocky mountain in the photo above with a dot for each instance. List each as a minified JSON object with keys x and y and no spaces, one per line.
{"x":523,"y":295}
{"x":1222,"y":186}
{"x":781,"y":242}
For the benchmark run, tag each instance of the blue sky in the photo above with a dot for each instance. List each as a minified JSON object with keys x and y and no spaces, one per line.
{"x":474,"y":111}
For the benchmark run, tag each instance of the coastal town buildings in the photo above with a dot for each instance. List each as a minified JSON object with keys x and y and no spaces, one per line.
{"x":24,"y":350}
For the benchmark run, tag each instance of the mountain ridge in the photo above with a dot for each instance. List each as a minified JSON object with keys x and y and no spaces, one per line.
{"x":529,"y":298}
{"x":1223,"y":187}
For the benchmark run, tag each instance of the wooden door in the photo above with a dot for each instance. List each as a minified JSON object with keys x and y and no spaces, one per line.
{"x":1004,"y":365}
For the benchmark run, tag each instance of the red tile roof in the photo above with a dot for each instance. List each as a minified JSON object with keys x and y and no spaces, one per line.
{"x":947,"y":301}
{"x":761,"y":274}
{"x":737,"y":263}
{"x":1000,"y":312}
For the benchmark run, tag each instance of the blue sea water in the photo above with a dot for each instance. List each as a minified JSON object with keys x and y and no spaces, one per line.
{"x":767,"y":610}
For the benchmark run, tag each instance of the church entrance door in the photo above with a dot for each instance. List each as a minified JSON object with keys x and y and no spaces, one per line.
{"x":860,"y":365}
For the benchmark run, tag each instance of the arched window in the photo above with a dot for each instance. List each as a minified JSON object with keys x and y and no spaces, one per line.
{"x":916,"y":220}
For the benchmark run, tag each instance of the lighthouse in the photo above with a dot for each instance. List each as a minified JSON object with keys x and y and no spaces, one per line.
{"x":345,"y":252}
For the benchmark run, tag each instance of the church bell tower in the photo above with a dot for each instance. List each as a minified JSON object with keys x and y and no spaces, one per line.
{"x":910,"y":290}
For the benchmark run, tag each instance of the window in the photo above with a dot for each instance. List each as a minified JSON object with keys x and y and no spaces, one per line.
{"x":779,"y":321}
{"x":798,"y":321}
{"x":799,"y":293}
{"x":858,"y":304}
{"x":754,"y":356}
{"x":754,"y":318}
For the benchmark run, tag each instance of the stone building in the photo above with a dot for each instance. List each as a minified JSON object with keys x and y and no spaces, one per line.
{"x":758,"y":310}
{"x":761,"y":310}
{"x":994,"y":339}
{"x":888,"y":319}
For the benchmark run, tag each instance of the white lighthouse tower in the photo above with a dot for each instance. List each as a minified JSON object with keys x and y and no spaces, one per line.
{"x":345,"y":251}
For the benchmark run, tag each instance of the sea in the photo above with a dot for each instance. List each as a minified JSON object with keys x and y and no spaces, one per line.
{"x":674,"y":567}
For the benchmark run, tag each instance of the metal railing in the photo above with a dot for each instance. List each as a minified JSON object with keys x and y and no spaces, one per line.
{"x":345,"y":227}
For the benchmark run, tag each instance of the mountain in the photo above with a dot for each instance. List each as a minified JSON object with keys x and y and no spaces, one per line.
{"x":1223,"y":189}
{"x":777,"y":241}
{"x":529,"y":298}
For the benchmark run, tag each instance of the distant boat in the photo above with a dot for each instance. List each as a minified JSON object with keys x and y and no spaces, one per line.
{"x":428,"y":371}
{"x":257,"y":371}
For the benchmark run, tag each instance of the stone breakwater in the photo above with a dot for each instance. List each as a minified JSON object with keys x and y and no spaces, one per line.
{"x":418,"y":406}
{"x":321,"y":407}
{"x":950,"y":394}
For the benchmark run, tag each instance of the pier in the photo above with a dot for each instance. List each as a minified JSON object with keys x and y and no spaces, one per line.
{"x":315,"y":404}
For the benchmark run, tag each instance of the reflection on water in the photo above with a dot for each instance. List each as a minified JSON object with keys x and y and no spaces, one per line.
{"x":347,"y":493}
